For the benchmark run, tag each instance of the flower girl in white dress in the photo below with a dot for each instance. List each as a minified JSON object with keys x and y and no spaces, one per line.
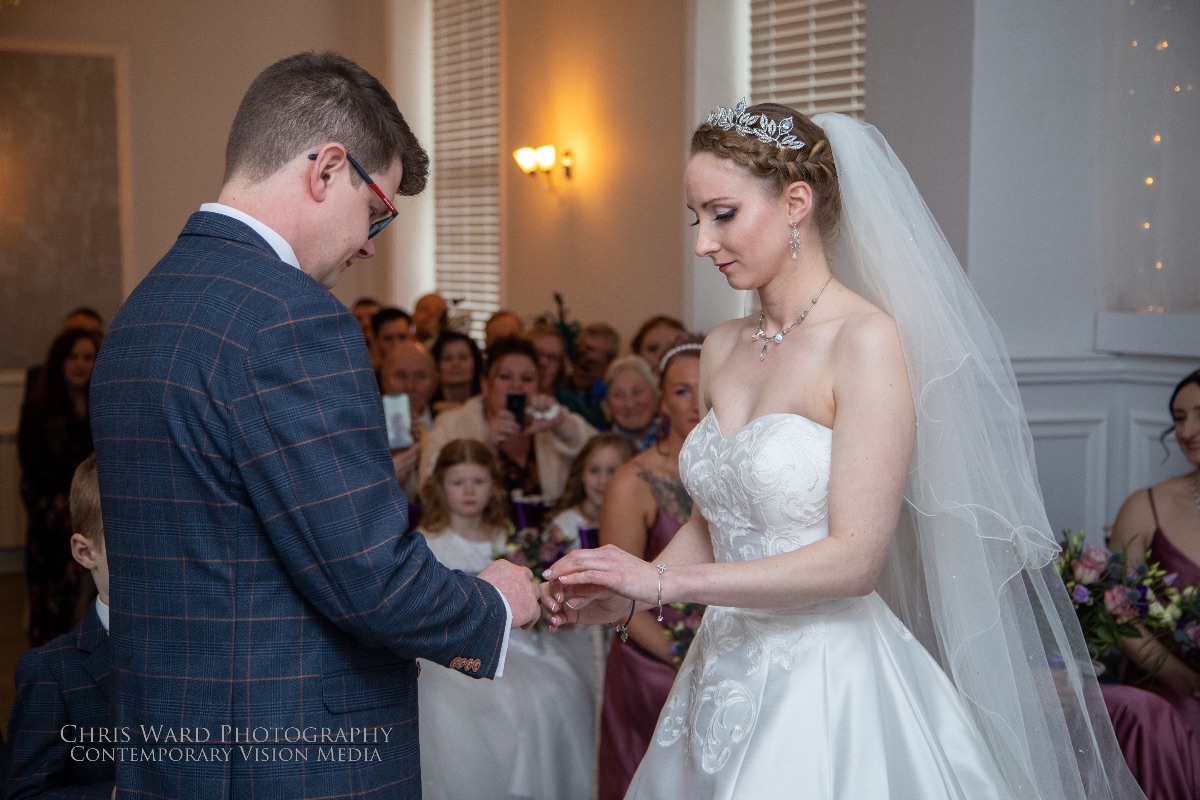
{"x":531,"y":732}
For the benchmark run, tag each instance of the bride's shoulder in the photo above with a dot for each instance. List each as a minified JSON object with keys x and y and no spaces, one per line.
{"x":720,"y":339}
{"x":719,"y":342}
{"x":866,"y":331}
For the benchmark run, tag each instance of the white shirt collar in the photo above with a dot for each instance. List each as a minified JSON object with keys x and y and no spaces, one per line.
{"x":277,"y":242}
{"x":102,"y":612}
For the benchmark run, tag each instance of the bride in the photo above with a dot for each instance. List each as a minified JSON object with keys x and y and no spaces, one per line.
{"x":884,"y":618}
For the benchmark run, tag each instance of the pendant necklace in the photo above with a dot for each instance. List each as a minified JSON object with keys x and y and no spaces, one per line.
{"x":777,"y":338}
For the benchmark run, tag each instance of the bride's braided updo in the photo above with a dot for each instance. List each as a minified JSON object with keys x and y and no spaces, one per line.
{"x":781,"y":166}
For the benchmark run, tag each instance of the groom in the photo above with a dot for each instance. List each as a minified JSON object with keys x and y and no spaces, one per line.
{"x":267,"y":608}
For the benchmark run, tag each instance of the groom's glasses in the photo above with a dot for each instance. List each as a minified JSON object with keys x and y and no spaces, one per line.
{"x":385,"y":219}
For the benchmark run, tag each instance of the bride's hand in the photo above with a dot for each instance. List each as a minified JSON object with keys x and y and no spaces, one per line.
{"x":588,"y":576}
{"x":582,"y":604}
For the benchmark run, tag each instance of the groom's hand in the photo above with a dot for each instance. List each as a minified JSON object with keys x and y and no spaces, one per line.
{"x":517,"y":586}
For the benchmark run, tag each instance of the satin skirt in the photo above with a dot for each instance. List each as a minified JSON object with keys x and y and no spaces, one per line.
{"x":837,"y":701}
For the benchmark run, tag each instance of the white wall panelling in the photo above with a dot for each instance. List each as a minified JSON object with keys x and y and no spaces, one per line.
{"x":1095,"y":424}
{"x":1072,"y":451}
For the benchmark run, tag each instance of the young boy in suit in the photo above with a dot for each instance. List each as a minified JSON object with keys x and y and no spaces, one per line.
{"x":61,"y":719}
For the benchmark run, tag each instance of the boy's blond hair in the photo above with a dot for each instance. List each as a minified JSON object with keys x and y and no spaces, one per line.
{"x":85,"y":502}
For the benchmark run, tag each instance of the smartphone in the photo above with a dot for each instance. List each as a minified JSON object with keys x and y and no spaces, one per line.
{"x":516,"y":404}
{"x":398,"y":414}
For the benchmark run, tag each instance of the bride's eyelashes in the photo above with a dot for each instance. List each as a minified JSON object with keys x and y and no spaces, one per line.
{"x":722,"y":217}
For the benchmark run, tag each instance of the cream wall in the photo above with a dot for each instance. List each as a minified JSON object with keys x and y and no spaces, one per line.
{"x":607,"y":81}
{"x":188,"y":65}
{"x":183,"y":67}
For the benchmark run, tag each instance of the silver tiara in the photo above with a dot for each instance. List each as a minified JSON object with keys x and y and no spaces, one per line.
{"x":757,"y":125}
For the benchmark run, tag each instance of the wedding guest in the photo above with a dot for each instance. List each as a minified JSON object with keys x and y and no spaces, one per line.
{"x":1165,"y":520}
{"x":501,"y":325}
{"x":364,"y":309}
{"x":389,"y":326}
{"x":631,"y":389}
{"x":83,"y":318}
{"x":459,"y":368}
{"x":643,"y":509}
{"x":655,"y":337}
{"x":409,"y":369}
{"x":429,"y":317}
{"x":63,"y":686}
{"x":534,"y":457}
{"x":595,"y":348}
{"x":55,"y":435}
{"x":578,"y":508}
{"x":551,"y":356}
{"x":532,"y":733}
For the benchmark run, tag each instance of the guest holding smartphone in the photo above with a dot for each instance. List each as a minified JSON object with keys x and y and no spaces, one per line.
{"x":535,"y":452}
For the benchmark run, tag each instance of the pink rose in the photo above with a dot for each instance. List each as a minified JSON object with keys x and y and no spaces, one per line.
{"x":1116,"y":600}
{"x":1089,"y":566}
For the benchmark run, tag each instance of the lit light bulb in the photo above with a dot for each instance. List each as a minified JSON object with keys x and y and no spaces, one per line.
{"x":1158,"y":265}
{"x":1157,"y":138}
{"x":1149,"y":181}
{"x":526,"y":159}
{"x":546,"y":157}
{"x":1161,"y":45}
{"x":1146,"y":225}
{"x":1135,"y":42}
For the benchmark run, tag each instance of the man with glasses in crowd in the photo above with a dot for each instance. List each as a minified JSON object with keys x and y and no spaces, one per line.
{"x":267,"y":607}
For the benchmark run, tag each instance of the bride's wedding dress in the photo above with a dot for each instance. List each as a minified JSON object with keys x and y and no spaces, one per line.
{"x":834,"y":700}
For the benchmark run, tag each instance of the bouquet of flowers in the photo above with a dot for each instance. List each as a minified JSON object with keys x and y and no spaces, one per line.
{"x":535,"y":548}
{"x":1110,"y":599}
{"x":1187,"y":630}
{"x":681,"y":632}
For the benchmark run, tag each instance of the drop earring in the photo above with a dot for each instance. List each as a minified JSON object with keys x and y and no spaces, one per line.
{"x":794,"y":240}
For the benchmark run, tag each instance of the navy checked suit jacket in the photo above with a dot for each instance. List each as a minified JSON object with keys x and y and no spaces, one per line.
{"x":263,"y":584}
{"x":62,"y":702}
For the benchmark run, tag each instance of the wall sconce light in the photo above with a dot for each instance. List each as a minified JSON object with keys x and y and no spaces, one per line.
{"x":543,"y":161}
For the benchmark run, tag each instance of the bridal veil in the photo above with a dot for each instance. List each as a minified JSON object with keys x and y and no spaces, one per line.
{"x":971,"y":568}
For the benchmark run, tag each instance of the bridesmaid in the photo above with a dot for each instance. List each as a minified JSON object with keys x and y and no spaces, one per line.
{"x":644,"y":506}
{"x":1165,"y":519}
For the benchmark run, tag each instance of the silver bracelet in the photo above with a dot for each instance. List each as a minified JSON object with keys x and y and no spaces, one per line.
{"x":662,"y":569}
{"x":623,"y":628}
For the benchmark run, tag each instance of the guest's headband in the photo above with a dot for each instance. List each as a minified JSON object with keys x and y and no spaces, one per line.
{"x":674,"y":351}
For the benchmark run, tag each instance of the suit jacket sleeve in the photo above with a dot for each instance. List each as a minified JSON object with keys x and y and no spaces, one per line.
{"x":38,"y":754}
{"x":312,"y":450}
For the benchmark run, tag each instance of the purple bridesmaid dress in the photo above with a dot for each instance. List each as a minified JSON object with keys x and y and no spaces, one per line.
{"x":1159,"y":728}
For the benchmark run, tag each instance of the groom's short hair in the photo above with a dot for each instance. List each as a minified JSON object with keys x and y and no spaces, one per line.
{"x":309,"y":99}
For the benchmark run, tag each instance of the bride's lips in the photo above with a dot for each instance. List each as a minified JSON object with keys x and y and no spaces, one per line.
{"x":724,"y":266}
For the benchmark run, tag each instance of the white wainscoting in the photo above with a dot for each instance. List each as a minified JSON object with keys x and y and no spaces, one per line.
{"x":1096,"y":424}
{"x":1072,"y":451}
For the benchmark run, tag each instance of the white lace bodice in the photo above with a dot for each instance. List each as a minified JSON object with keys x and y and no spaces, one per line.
{"x":765,"y":489}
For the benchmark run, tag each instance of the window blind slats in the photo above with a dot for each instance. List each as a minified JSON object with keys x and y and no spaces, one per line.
{"x":809,"y":54}
{"x":466,"y":79}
